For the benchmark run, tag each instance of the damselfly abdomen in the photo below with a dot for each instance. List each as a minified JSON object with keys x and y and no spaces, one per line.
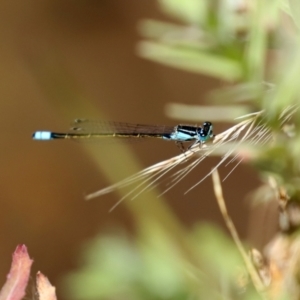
{"x":84,"y":129}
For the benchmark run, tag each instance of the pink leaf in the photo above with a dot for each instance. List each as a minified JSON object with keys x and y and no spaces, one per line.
{"x":17,"y":278}
{"x":45,"y":290}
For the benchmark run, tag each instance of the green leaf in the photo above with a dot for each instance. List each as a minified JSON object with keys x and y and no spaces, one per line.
{"x":193,"y":61}
{"x":190,"y":11}
{"x":295,"y":11}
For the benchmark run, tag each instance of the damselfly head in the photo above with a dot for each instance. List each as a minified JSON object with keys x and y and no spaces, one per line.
{"x":205,"y":132}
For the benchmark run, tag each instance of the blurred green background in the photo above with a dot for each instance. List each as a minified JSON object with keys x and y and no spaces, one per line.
{"x":65,"y":59}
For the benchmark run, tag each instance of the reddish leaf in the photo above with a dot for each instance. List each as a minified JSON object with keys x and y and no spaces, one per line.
{"x":45,"y":290}
{"x":17,"y":278}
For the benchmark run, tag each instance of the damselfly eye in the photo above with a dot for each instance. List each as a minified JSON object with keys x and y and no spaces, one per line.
{"x":207,"y":128}
{"x":205,"y":132}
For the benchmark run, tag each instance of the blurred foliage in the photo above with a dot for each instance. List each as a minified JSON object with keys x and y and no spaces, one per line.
{"x":154,"y":267}
{"x":253,"y":48}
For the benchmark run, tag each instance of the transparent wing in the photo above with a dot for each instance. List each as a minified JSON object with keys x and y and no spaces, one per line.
{"x":109,"y":127}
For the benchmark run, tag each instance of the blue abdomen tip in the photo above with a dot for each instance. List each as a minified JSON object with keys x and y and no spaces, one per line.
{"x":42,"y":135}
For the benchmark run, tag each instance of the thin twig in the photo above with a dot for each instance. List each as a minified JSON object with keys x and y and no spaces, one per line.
{"x":228,"y":221}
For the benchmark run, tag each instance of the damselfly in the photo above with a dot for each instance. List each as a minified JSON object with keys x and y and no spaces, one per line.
{"x":85,"y":129}
{"x":251,"y":130}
